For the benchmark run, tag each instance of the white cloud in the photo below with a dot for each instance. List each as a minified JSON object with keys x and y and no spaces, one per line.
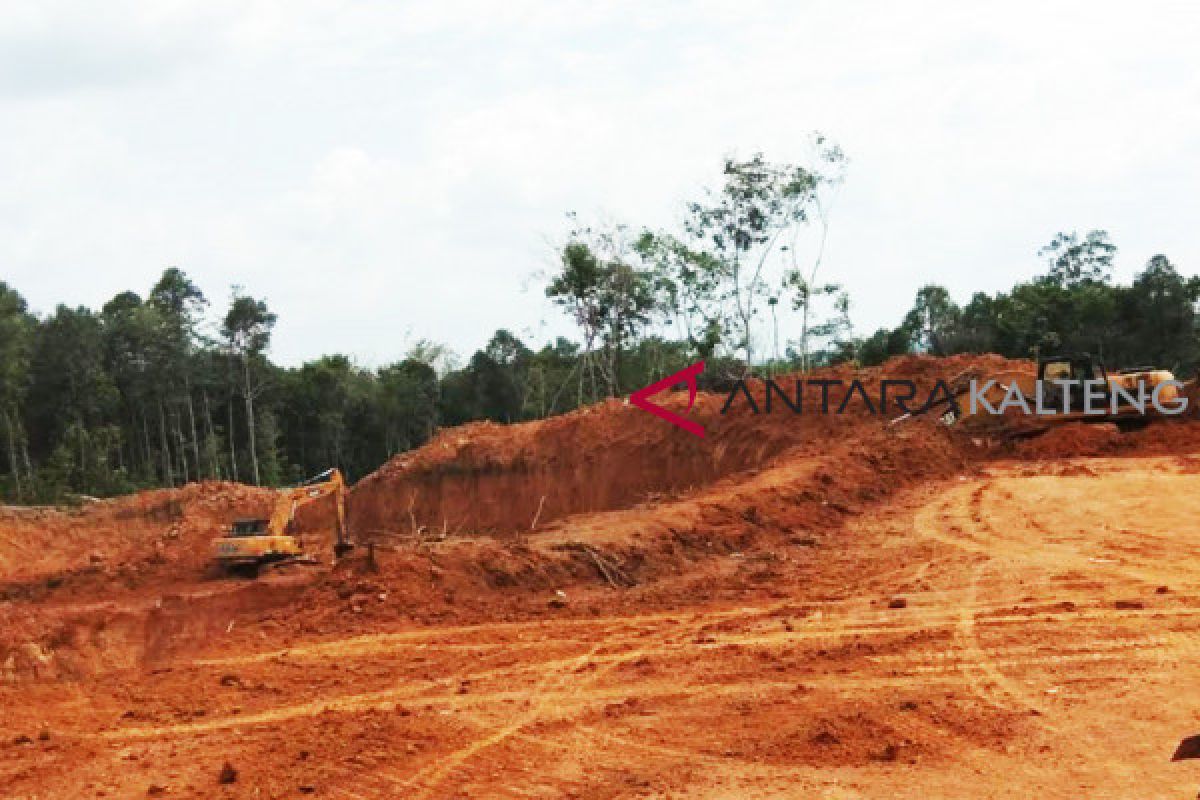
{"x":378,"y":170}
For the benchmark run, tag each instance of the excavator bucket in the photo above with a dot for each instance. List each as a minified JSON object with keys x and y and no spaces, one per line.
{"x":1188,"y":748}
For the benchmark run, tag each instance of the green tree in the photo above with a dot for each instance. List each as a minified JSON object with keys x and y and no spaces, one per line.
{"x":16,"y":335}
{"x":1158,"y":311}
{"x":688,"y":284}
{"x":1073,"y":260}
{"x":130,"y":332}
{"x":933,"y":320}
{"x":179,"y":304}
{"x":247,"y":332}
{"x":71,"y":394}
{"x":611,"y":297}
{"x":750,"y":225}
{"x":408,"y":396}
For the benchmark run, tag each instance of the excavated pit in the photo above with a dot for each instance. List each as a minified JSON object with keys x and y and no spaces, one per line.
{"x":608,"y":495}
{"x":806,"y":600}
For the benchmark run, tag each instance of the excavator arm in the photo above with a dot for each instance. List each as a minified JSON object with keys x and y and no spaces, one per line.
{"x":327,"y":483}
{"x":264,"y":541}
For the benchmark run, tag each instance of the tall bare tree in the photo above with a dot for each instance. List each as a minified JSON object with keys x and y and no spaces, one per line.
{"x":247,"y":331}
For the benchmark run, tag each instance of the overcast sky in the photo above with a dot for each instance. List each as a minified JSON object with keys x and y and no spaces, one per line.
{"x":382,"y":172}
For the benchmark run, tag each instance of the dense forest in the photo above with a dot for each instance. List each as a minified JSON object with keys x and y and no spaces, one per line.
{"x":143,"y":393}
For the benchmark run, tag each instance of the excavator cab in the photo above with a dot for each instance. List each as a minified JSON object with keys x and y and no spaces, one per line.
{"x":248,"y":527}
{"x":1077,"y":368}
{"x":249,"y":544}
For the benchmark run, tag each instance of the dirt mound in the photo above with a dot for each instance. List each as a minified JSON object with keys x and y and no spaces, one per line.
{"x":488,"y":478}
{"x":738,"y":534}
{"x":1073,"y":439}
{"x":1159,"y":437}
{"x":114,"y":537}
{"x":1165,"y":438}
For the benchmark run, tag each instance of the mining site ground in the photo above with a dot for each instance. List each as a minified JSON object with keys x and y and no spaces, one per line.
{"x":1011,"y":626}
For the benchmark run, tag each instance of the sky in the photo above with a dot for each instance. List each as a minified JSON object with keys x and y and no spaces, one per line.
{"x":388,"y":172}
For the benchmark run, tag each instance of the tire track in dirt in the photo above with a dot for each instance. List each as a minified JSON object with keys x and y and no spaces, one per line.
{"x":375,"y":699}
{"x":384,"y":699}
{"x":778,"y":779}
{"x":975,"y":517}
{"x":963,"y":510}
{"x":964,"y":622}
{"x":1131,"y":566}
{"x":913,"y":619}
{"x":535,"y":714}
{"x":373,"y":643}
{"x":983,"y":669}
{"x":424,"y":782}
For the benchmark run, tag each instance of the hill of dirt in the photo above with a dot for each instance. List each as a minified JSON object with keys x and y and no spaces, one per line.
{"x":125,"y":533}
{"x":502,"y":479}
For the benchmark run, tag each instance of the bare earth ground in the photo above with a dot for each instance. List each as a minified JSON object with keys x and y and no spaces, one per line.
{"x":1047,"y":648}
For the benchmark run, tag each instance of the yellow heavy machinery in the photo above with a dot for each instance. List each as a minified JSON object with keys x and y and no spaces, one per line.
{"x":250,"y":544}
{"x":1050,"y":403}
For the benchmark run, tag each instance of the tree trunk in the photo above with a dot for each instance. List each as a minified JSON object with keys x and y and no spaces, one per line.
{"x":133,"y":443}
{"x":579,"y":393}
{"x":804,"y":337}
{"x":191,"y":409}
{"x":13,"y":465}
{"x":25,"y":456}
{"x":233,"y":470}
{"x":774,"y":339}
{"x":249,"y":395}
{"x":83,"y":487}
{"x":168,"y":475}
{"x":210,"y":438}
{"x":180,"y":447}
{"x":120,"y":450}
{"x":148,"y":460}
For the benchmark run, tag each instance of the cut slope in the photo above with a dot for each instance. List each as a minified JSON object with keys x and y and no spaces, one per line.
{"x":497,"y":479}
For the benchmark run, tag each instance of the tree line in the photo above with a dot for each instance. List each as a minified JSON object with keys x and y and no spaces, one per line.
{"x":142,"y":393}
{"x":1072,"y":306}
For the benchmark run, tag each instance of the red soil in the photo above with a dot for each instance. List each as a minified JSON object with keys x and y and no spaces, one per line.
{"x":1161,"y":437}
{"x":156,"y":527}
{"x":602,"y":605}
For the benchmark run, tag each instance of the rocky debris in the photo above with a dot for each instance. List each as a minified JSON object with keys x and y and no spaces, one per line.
{"x":825,"y":739}
{"x":26,"y":660}
{"x":227,"y":775}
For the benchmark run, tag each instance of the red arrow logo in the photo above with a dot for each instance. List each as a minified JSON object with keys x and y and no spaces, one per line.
{"x":686,"y":375}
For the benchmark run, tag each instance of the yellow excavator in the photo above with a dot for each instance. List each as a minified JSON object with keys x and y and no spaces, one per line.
{"x":1042,"y":389}
{"x":250,"y":544}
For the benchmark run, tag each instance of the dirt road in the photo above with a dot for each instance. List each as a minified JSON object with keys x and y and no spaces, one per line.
{"x":1046,"y":647}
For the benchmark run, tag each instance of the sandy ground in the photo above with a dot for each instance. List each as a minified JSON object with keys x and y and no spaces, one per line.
{"x":1046,"y":647}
